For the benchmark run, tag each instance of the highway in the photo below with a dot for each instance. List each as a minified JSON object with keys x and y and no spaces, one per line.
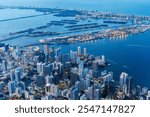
{"x":25,"y":17}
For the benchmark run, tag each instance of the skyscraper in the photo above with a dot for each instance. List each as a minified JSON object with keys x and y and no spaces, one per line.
{"x":46,"y":49}
{"x":12,"y":75}
{"x":4,"y":65}
{"x":71,"y":54}
{"x":58,"y":51}
{"x":129,"y":86}
{"x":96,"y":94}
{"x":79,"y":50}
{"x":18,"y":74}
{"x":85,"y":53}
{"x":123,"y":82}
{"x":103,"y":58}
{"x":81,"y":65}
{"x":46,"y":57}
{"x":87,"y":83}
{"x":56,"y":78}
{"x":52,"y":53}
{"x":90,"y":92}
{"x":24,"y":59}
{"x":39,"y":68}
{"x":22,"y":87}
{"x":11,"y":87}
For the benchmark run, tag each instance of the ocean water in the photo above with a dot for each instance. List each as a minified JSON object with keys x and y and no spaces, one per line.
{"x":131,"y":54}
{"x":140,"y":7}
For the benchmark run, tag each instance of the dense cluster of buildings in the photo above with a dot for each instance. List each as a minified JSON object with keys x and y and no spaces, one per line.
{"x":48,"y":74}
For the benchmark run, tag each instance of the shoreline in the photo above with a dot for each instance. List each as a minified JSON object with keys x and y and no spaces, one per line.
{"x":130,"y":24}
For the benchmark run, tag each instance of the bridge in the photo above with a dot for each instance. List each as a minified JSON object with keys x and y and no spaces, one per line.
{"x":25,"y":17}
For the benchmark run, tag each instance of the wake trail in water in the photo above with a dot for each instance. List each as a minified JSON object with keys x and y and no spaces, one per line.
{"x":111,"y":61}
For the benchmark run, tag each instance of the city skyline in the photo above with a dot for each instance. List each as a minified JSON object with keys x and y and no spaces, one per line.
{"x":48,"y":74}
{"x":51,"y":51}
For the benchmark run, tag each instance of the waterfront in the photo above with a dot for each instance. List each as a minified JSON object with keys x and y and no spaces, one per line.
{"x":48,"y":74}
{"x":130,"y":54}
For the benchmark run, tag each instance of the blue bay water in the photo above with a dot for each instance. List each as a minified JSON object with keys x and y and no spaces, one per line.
{"x":130,"y":55}
{"x":140,"y":7}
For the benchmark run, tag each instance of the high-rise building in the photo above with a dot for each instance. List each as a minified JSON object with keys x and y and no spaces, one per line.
{"x":46,"y":49}
{"x":77,"y":85}
{"x":74,"y":94}
{"x":87,"y":83}
{"x":91,"y":73}
{"x":40,"y":80}
{"x":75,"y":54}
{"x":78,"y":60}
{"x":85,"y":72}
{"x":108,"y":77}
{"x":54,"y":91}
{"x":47,"y":79}
{"x":81,"y":65}
{"x":45,"y":69}
{"x":90,"y":92}
{"x":123,"y":82}
{"x":47,"y":57}
{"x":12,"y":75}
{"x":149,"y":93}
{"x":95,"y":66}
{"x":21,"y":85}
{"x":71,"y":54}
{"x":39,"y":68}
{"x":18,"y":74}
{"x":144,"y":90}
{"x":129,"y":86}
{"x":11,"y":87}
{"x":74,"y":78}
{"x":52,"y":54}
{"x":96,"y":94}
{"x":85,"y":53}
{"x":80,"y":73}
{"x":2,"y":84}
{"x":4,"y":65}
{"x":51,"y":79}
{"x":56,"y":78}
{"x":58,"y":51}
{"x":103,"y":58}
{"x":24,"y":59}
{"x":79,"y":50}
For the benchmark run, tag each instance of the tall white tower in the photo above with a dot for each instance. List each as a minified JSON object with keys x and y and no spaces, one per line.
{"x":79,"y":50}
{"x":123,"y":82}
{"x":85,"y":52}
